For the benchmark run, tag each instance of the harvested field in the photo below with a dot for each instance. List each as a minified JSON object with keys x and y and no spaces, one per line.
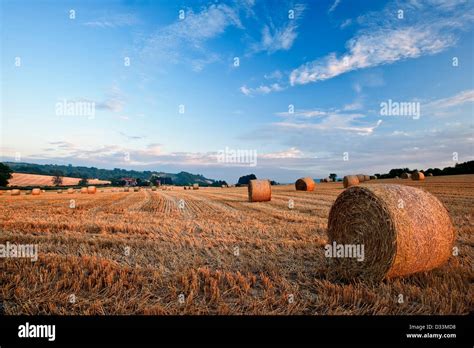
{"x":20,"y":179}
{"x":137,"y":252}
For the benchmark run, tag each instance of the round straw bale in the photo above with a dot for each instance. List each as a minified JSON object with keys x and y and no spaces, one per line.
{"x":91,"y":189}
{"x":83,"y":189}
{"x":260,"y":190}
{"x":350,"y":180}
{"x":361,"y":177}
{"x":418,"y":176}
{"x":305,"y":184}
{"x":429,"y":174}
{"x":195,"y":186}
{"x":405,"y":175}
{"x":153,"y":188}
{"x":36,"y":192}
{"x":126,"y":189}
{"x":136,"y":189}
{"x":366,"y":177}
{"x":70,"y":190}
{"x":403,"y":229}
{"x":59,"y":191}
{"x":28,"y":192}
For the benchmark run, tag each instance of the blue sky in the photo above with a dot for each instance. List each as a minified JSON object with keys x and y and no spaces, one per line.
{"x":305,"y":97}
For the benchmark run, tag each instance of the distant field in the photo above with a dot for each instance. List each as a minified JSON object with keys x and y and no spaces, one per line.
{"x":20,"y":179}
{"x":137,"y":252}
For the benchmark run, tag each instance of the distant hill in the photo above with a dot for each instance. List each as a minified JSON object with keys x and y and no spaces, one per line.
{"x":182,"y":178}
{"x":22,"y":179}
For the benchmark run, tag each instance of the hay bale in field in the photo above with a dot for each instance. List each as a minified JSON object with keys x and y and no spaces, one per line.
{"x":43,"y":191}
{"x":70,"y":190}
{"x":36,"y":192}
{"x":366,"y":177}
{"x":361,"y":177}
{"x":91,"y":189}
{"x":350,"y":180}
{"x":429,"y":174}
{"x":136,"y":189}
{"x":195,"y":186}
{"x":260,"y":190}
{"x":305,"y":184}
{"x":59,"y":191}
{"x":373,"y":177}
{"x":83,"y":189}
{"x":126,"y":189}
{"x":405,"y":175}
{"x":418,"y":176}
{"x":403,"y":230}
{"x":153,"y":188}
{"x":397,"y":177}
{"x":28,"y":192}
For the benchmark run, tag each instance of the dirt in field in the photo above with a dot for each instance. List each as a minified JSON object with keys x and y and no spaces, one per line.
{"x":209,"y":251}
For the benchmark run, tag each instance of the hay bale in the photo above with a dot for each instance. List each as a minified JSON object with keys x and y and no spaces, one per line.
{"x":153,"y":188}
{"x":36,"y":192}
{"x":350,"y":180}
{"x":366,"y":177}
{"x":305,"y":184}
{"x":136,"y":189}
{"x":429,"y":174}
{"x":59,"y":191}
{"x":405,"y":175}
{"x":403,"y":229}
{"x":361,"y":177}
{"x":126,"y":189}
{"x":260,"y":191}
{"x":91,"y":189}
{"x":70,"y":190}
{"x":418,"y":176}
{"x":373,"y":177}
{"x":195,"y":186}
{"x":28,"y":192}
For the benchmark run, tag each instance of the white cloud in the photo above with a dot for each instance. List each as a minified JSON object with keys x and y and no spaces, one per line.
{"x":113,"y":21}
{"x":292,"y":152}
{"x":334,"y":5}
{"x":461,"y":98}
{"x":387,"y":42}
{"x":280,"y":38}
{"x":262,"y":89}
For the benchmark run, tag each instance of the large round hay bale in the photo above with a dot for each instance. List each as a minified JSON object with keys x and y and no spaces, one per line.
{"x":195,"y":186}
{"x":36,"y":192}
{"x":260,"y":190}
{"x":126,"y":189}
{"x":350,"y":180}
{"x":429,"y":174}
{"x":405,"y":176}
{"x":418,"y":176}
{"x":361,"y":177}
{"x":305,"y":184}
{"x":83,"y":189}
{"x":366,"y":177}
{"x":59,"y":191}
{"x":403,"y":230}
{"x":91,"y":189}
{"x":136,"y":189}
{"x":153,"y":188}
{"x":70,"y":190}
{"x":28,"y":192}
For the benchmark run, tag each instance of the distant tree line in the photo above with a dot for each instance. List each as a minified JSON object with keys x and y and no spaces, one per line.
{"x":459,"y":168}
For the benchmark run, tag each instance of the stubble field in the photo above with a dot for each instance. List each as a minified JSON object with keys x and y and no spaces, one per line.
{"x":148,"y":252}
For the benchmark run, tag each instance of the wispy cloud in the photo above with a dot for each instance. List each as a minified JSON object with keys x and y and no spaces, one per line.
{"x":334,"y":5}
{"x":113,"y":21}
{"x":262,"y":89}
{"x":447,"y":106}
{"x":387,"y":42}
{"x":280,"y":38}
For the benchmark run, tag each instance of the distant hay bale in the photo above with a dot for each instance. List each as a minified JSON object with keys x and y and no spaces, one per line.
{"x":28,"y":192}
{"x":195,"y":186}
{"x":429,"y":174}
{"x":350,"y":180}
{"x":83,"y":189}
{"x":405,"y":175}
{"x":418,"y":176}
{"x":305,"y":184}
{"x":397,"y":177}
{"x":185,"y":187}
{"x":373,"y":177}
{"x":43,"y":191}
{"x":403,"y":230}
{"x":70,"y":190}
{"x":136,"y":189}
{"x":36,"y":192}
{"x":126,"y":189}
{"x":260,"y":190}
{"x":366,"y":177}
{"x":361,"y":177}
{"x":59,"y":191}
{"x":153,"y":188}
{"x":91,"y":189}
